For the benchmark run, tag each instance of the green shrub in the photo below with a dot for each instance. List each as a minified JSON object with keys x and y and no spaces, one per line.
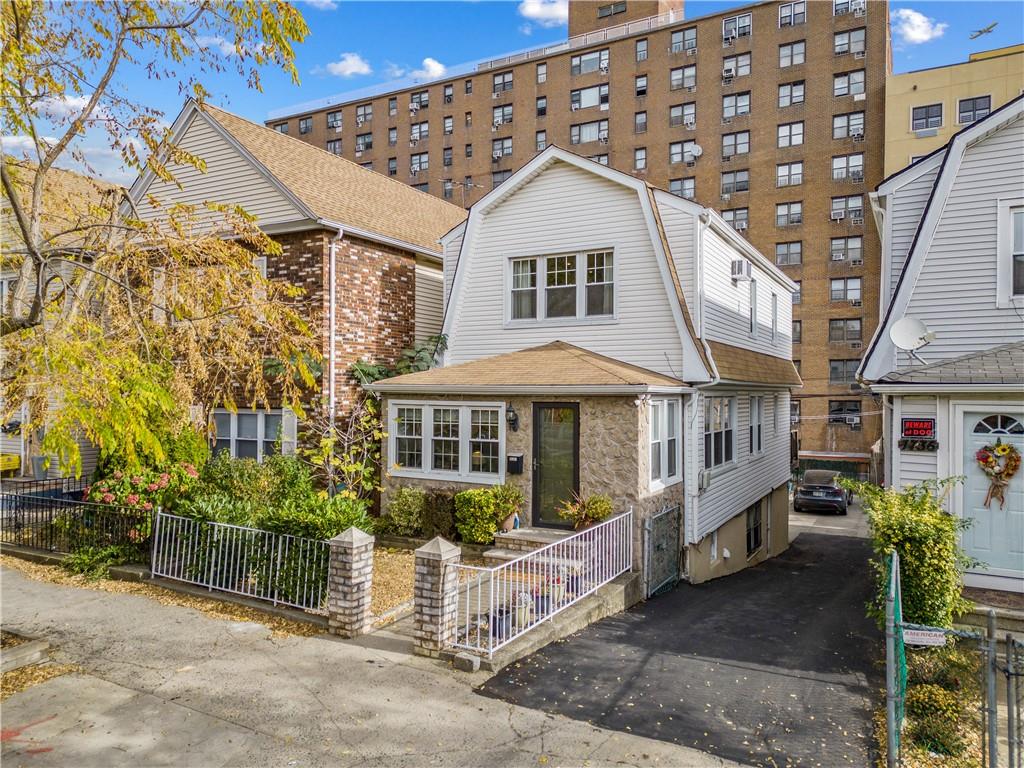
{"x":476,"y":516}
{"x":317,"y":518}
{"x":95,"y":562}
{"x":404,"y":515}
{"x":189,"y":446}
{"x":583,"y":512}
{"x":145,"y":489}
{"x":948,"y":667}
{"x":439,"y":513}
{"x":938,"y":734}
{"x":911,"y":521}
{"x":927,"y":700}
{"x":508,"y":500}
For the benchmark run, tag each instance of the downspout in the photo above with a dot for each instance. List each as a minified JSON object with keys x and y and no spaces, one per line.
{"x":332,"y":398}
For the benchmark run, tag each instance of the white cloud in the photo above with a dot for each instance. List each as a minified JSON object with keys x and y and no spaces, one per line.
{"x":393,"y":71}
{"x":60,"y":108}
{"x":323,"y":5}
{"x":913,"y":27}
{"x":102,"y":162}
{"x":546,"y":13}
{"x":216,"y":41}
{"x":526,"y":29}
{"x":429,"y":70}
{"x":22,"y":145}
{"x":348,"y":65}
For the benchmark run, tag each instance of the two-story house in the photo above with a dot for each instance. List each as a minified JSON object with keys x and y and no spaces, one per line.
{"x":948,"y":356}
{"x":365,"y":248}
{"x":607,"y":337}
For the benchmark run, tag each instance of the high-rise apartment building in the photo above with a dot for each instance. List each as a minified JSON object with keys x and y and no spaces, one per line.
{"x":772,"y":113}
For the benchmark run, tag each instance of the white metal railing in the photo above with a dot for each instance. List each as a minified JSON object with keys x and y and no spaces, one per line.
{"x":500,"y":603}
{"x":282,"y":569}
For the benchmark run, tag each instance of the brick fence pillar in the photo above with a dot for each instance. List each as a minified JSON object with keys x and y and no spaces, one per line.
{"x":350,"y":583}
{"x":436,"y":596}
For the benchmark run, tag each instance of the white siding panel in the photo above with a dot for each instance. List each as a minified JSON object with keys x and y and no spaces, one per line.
{"x":905,"y":211}
{"x":916,"y":466}
{"x":451,"y":259}
{"x":680,"y":230}
{"x":727,"y":303}
{"x":566,"y":210}
{"x":429,"y":307}
{"x":955,"y":294}
{"x":736,"y":486}
{"x":230,"y":179}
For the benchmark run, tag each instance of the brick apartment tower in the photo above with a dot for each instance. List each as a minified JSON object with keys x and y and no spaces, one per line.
{"x":771,"y":113}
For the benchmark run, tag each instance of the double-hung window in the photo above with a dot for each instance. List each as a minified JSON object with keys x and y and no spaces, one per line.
{"x":584,"y":133}
{"x":737,"y":218}
{"x":735,"y":181}
{"x":736,"y":26}
{"x":851,"y":206}
{"x":792,"y":54}
{"x":791,"y":14}
{"x":679,"y":151}
{"x":736,"y":105}
{"x":447,"y":440}
{"x":848,"y":42}
{"x":848,"y":167}
{"x":754,"y":525}
{"x":736,"y":66}
{"x":755,"y":430}
{"x":334,"y":120}
{"x":789,"y":254}
{"x":419,"y":131}
{"x":719,"y":432}
{"x":501,"y":148}
{"x":392,"y":137}
{"x":248,"y":434}
{"x":502,"y":115}
{"x":449,"y":125}
{"x":848,"y":83}
{"x":797,"y":331}
{"x":542,"y":73}
{"x":843,"y":248}
{"x":844,"y":289}
{"x":684,"y":40}
{"x":683,"y":114}
{"x":305,"y":124}
{"x":594,"y":96}
{"x":334,"y":146}
{"x":419,"y":162}
{"x":847,"y":126}
{"x":735,"y":144}
{"x":420,"y":100}
{"x":787,"y":214}
{"x":843,"y":330}
{"x":640,"y":159}
{"x":789,"y":174}
{"x":364,"y":141}
{"x":683,"y":187}
{"x":393,"y":106}
{"x":502,"y":82}
{"x":791,"y":93}
{"x":842,"y":371}
{"x":578,"y":285}
{"x":791,"y":134}
{"x":364,"y":113}
{"x":969,"y":110}
{"x":665,"y":417}
{"x":641,"y":49}
{"x":682,"y":77}
{"x":1010,"y":253}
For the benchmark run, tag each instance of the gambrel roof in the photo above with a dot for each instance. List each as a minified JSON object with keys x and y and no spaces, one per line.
{"x":327,"y":188}
{"x":949,"y":159}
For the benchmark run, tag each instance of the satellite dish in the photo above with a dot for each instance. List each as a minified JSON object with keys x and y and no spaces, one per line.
{"x":697,"y":150}
{"x":909,"y":334}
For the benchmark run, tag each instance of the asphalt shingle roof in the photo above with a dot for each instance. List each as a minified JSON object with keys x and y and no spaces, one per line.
{"x":999,"y":365}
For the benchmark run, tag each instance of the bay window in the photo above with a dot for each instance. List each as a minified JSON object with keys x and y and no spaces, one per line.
{"x":447,"y":440}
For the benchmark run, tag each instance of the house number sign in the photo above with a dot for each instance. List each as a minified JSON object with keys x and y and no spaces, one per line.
{"x":918,"y":435}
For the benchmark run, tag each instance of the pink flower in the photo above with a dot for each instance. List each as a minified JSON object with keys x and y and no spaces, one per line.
{"x":136,"y":480}
{"x":103,"y":488}
{"x":85,"y":491}
{"x":148,"y":505}
{"x":107,"y":498}
{"x":152,"y":487}
{"x":164,"y":480}
{"x":131,"y":499}
{"x":190,"y":470}
{"x":118,"y":474}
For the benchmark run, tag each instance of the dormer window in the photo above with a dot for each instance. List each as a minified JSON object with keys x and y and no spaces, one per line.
{"x":563,"y":287}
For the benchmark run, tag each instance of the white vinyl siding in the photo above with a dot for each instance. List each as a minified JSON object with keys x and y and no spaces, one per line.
{"x":727,"y":303}
{"x":566,"y":210}
{"x":955,"y":293}
{"x":737,"y":485}
{"x":227,"y":171}
{"x":915,"y":466}
{"x":906,"y":207}
{"x":680,"y":230}
{"x":429,"y":301}
{"x":451,"y":258}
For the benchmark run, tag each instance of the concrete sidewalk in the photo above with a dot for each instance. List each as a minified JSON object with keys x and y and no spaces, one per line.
{"x":165,"y":685}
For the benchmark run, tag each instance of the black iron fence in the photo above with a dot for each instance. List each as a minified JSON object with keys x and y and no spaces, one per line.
{"x":54,"y":523}
{"x":59,"y":487}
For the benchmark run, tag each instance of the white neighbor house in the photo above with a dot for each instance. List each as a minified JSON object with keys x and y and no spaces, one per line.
{"x":617,"y":339}
{"x":952,"y":229}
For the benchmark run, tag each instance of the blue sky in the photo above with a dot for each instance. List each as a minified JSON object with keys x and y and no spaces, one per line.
{"x":355,"y":45}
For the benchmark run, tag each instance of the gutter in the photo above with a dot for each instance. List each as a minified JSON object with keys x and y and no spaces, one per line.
{"x":526,"y":389}
{"x":376,"y":237}
{"x":909,"y":388}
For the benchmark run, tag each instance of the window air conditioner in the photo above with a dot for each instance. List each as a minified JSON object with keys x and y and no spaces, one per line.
{"x":838,"y":215}
{"x":857,"y":219}
{"x":856,"y":344}
{"x":726,"y":120}
{"x":575,"y":107}
{"x":496,"y":156}
{"x":337,"y":129}
{"x":604,"y":69}
{"x":728,"y":73}
{"x":859,"y":97}
{"x":359,"y":121}
{"x":602,"y":137}
{"x":414,"y":171}
{"x":447,"y":99}
{"x":740,"y":226}
{"x":495,"y":94}
{"x":691,"y":51}
{"x":359,"y":153}
{"x":728,"y":40}
{"x":726,"y":197}
{"x":855,"y":302}
{"x":689,"y":122}
{"x":691,"y":88}
{"x":856,"y":262}
{"x":857,"y":175}
{"x":741,"y":269}
{"x":859,"y":54}
{"x":851,"y":420}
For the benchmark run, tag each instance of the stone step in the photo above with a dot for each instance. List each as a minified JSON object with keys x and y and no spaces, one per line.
{"x":1007,"y":619}
{"x":525,"y":539}
{"x":499,"y":555}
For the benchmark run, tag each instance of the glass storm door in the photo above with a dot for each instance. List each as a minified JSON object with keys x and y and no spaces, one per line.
{"x":556,"y":452}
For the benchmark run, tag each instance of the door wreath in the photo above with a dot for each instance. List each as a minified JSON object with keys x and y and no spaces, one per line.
{"x":1000,"y":462}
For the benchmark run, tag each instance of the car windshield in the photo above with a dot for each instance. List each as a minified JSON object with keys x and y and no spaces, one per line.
{"x":819,"y":477}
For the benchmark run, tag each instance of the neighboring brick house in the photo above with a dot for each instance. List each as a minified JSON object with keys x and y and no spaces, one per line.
{"x":362,"y":246}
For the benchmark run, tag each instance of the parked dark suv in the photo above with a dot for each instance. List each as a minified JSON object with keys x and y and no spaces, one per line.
{"x":818,"y":491}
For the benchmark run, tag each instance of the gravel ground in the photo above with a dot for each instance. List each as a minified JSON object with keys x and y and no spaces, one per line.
{"x":393,"y":572}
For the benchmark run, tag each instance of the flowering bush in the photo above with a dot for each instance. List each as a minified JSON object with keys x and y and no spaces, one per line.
{"x":145,"y":489}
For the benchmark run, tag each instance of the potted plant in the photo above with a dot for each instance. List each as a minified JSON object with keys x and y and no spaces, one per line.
{"x":556,"y":587}
{"x":508,"y":500}
{"x":586,"y":512}
{"x":501,"y":624}
{"x":524,"y":608}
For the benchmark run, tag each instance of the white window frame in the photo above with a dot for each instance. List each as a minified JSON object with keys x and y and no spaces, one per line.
{"x":775,"y":317}
{"x":289,"y":429}
{"x":796,"y":8}
{"x":793,"y":55}
{"x":465,"y":420}
{"x":797,"y":86}
{"x":581,"y":317}
{"x":755,"y":426}
{"x":1004,"y":265}
{"x":788,"y":133}
{"x":753,"y":309}
{"x":738,"y":22}
{"x":657,"y":410}
{"x":709,"y":404}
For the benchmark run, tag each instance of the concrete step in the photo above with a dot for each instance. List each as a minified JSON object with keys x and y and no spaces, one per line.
{"x":1007,"y":620}
{"x":526,"y":539}
{"x":500,"y":555}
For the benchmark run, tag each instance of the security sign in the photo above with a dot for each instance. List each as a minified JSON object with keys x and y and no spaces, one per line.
{"x":919,"y":429}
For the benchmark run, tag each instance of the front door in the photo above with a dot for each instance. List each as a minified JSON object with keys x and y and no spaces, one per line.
{"x":556,"y":460}
{"x":996,"y":534}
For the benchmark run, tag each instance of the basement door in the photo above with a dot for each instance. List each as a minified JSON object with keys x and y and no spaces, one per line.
{"x":556,"y":460}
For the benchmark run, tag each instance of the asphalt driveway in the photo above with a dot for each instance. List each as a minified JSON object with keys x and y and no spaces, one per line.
{"x":776,"y":665}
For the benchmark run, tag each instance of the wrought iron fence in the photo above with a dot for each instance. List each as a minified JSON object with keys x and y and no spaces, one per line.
{"x":278,"y":568}
{"x":498,"y":604}
{"x":58,"y":524}
{"x":58,"y":487}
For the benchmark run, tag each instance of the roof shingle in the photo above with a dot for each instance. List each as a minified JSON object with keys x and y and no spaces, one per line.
{"x":738,"y":364}
{"x":999,"y":365}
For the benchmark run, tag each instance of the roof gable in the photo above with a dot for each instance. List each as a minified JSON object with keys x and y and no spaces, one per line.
{"x":881,"y":347}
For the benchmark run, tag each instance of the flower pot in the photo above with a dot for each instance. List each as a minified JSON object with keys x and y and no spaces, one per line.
{"x":557,"y":593}
{"x":501,"y":624}
{"x":509,"y":523}
{"x":543,"y":605}
{"x":523,"y":614}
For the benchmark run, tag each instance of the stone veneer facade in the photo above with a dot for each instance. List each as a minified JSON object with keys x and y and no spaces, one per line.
{"x":375,"y":299}
{"x":614,"y":456}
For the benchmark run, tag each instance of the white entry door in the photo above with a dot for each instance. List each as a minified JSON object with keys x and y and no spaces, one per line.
{"x":996,"y":535}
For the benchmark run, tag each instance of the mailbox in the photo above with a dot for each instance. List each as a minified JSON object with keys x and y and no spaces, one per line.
{"x":515,"y":463}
